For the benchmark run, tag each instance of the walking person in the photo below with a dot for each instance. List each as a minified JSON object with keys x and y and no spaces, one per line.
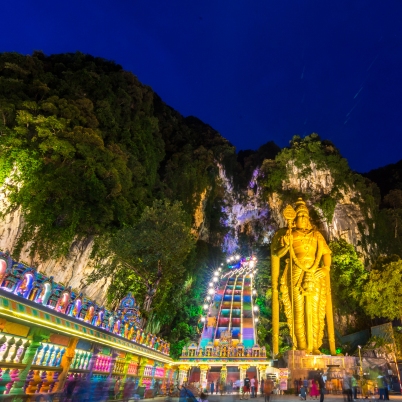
{"x":314,"y":392}
{"x":321,"y":384}
{"x":354,"y":387}
{"x":303,"y":393}
{"x":202,"y":398}
{"x":246,"y":387}
{"x":382,"y":386}
{"x":128,"y":390}
{"x":305,"y":384}
{"x":116,"y":389}
{"x":268,"y":388}
{"x":252,"y":384}
{"x":347,"y":388}
{"x":262,"y":387}
{"x":212,"y":386}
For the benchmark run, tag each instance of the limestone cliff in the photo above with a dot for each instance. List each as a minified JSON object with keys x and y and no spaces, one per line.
{"x":71,"y":270}
{"x":260,"y":216}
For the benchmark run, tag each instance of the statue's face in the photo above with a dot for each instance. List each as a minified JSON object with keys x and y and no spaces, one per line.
{"x":302,"y":220}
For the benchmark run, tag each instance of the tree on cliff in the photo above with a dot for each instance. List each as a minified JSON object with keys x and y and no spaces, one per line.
{"x":382,"y":295}
{"x":154,"y":249}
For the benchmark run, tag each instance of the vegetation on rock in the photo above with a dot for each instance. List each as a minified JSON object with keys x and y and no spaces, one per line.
{"x":87,"y":151}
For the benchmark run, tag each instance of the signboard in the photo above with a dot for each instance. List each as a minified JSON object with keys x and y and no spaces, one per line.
{"x":283,"y":379}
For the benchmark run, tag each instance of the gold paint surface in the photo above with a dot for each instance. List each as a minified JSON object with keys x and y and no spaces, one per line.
{"x":303,"y":286}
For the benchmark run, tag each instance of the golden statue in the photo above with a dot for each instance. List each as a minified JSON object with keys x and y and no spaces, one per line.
{"x":304,"y":283}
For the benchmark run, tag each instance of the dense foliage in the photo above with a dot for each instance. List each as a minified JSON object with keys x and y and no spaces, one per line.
{"x":348,"y":277}
{"x":87,"y":151}
{"x":382,"y":295}
{"x":85,"y":148}
{"x":154,"y":249}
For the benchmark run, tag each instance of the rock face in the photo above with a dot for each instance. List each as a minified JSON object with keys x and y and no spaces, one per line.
{"x":245,"y":212}
{"x":260,"y":218}
{"x":71,"y":270}
{"x":348,"y":218}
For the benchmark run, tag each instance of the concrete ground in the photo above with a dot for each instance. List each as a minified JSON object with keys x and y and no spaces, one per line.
{"x":277,"y":398}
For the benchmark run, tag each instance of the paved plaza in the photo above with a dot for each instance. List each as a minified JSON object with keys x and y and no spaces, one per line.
{"x":280,"y":398}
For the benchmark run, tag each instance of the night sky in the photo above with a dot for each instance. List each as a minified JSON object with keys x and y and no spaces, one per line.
{"x":255,"y":70}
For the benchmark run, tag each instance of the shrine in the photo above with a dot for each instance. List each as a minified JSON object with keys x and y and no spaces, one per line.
{"x":52,"y":335}
{"x":228,"y":348}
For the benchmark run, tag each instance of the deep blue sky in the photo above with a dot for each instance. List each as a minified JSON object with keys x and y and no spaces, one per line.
{"x":255,"y":70}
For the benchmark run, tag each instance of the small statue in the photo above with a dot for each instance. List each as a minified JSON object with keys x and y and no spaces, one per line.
{"x":23,"y":287}
{"x":116,"y":328}
{"x":148,"y":339}
{"x":90,"y":314}
{"x":111,"y":322}
{"x":152,"y":342}
{"x":125,"y":334}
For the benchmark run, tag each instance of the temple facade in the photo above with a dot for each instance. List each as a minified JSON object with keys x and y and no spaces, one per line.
{"x":228,"y":348}
{"x":51,"y":335}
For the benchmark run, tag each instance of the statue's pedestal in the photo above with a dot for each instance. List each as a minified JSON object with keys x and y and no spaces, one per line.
{"x":302,"y":365}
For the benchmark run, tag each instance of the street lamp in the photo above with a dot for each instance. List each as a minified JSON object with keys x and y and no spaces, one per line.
{"x":361,"y":370}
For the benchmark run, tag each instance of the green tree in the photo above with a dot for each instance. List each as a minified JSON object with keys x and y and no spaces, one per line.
{"x":348,"y":276}
{"x":154,"y":249}
{"x":382,"y":296}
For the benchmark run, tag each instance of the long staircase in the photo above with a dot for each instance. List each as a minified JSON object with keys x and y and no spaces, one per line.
{"x":232,"y":308}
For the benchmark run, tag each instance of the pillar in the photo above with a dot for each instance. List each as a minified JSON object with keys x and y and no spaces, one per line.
{"x":114,"y":354}
{"x":262,"y":372}
{"x":183,"y":370}
{"x":243,"y":368}
{"x":224,"y":374}
{"x":66,"y":362}
{"x":141,"y":369}
{"x":37,"y":336}
{"x":169,"y":381}
{"x":203,"y":376}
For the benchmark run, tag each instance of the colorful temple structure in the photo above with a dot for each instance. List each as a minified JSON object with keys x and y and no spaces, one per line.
{"x":228,"y":348}
{"x":51,"y":335}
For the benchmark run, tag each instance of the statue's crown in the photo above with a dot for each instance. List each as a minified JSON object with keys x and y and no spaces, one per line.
{"x":301,"y":206}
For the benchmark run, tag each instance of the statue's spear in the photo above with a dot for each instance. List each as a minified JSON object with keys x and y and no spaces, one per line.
{"x":290,"y":214}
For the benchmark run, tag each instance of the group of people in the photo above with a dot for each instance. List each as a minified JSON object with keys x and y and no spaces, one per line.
{"x":81,"y":390}
{"x":314,"y":387}
{"x":247,"y":387}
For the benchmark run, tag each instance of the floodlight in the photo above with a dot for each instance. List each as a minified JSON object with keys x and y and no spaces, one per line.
{"x":205,"y":306}
{"x":211,"y":291}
